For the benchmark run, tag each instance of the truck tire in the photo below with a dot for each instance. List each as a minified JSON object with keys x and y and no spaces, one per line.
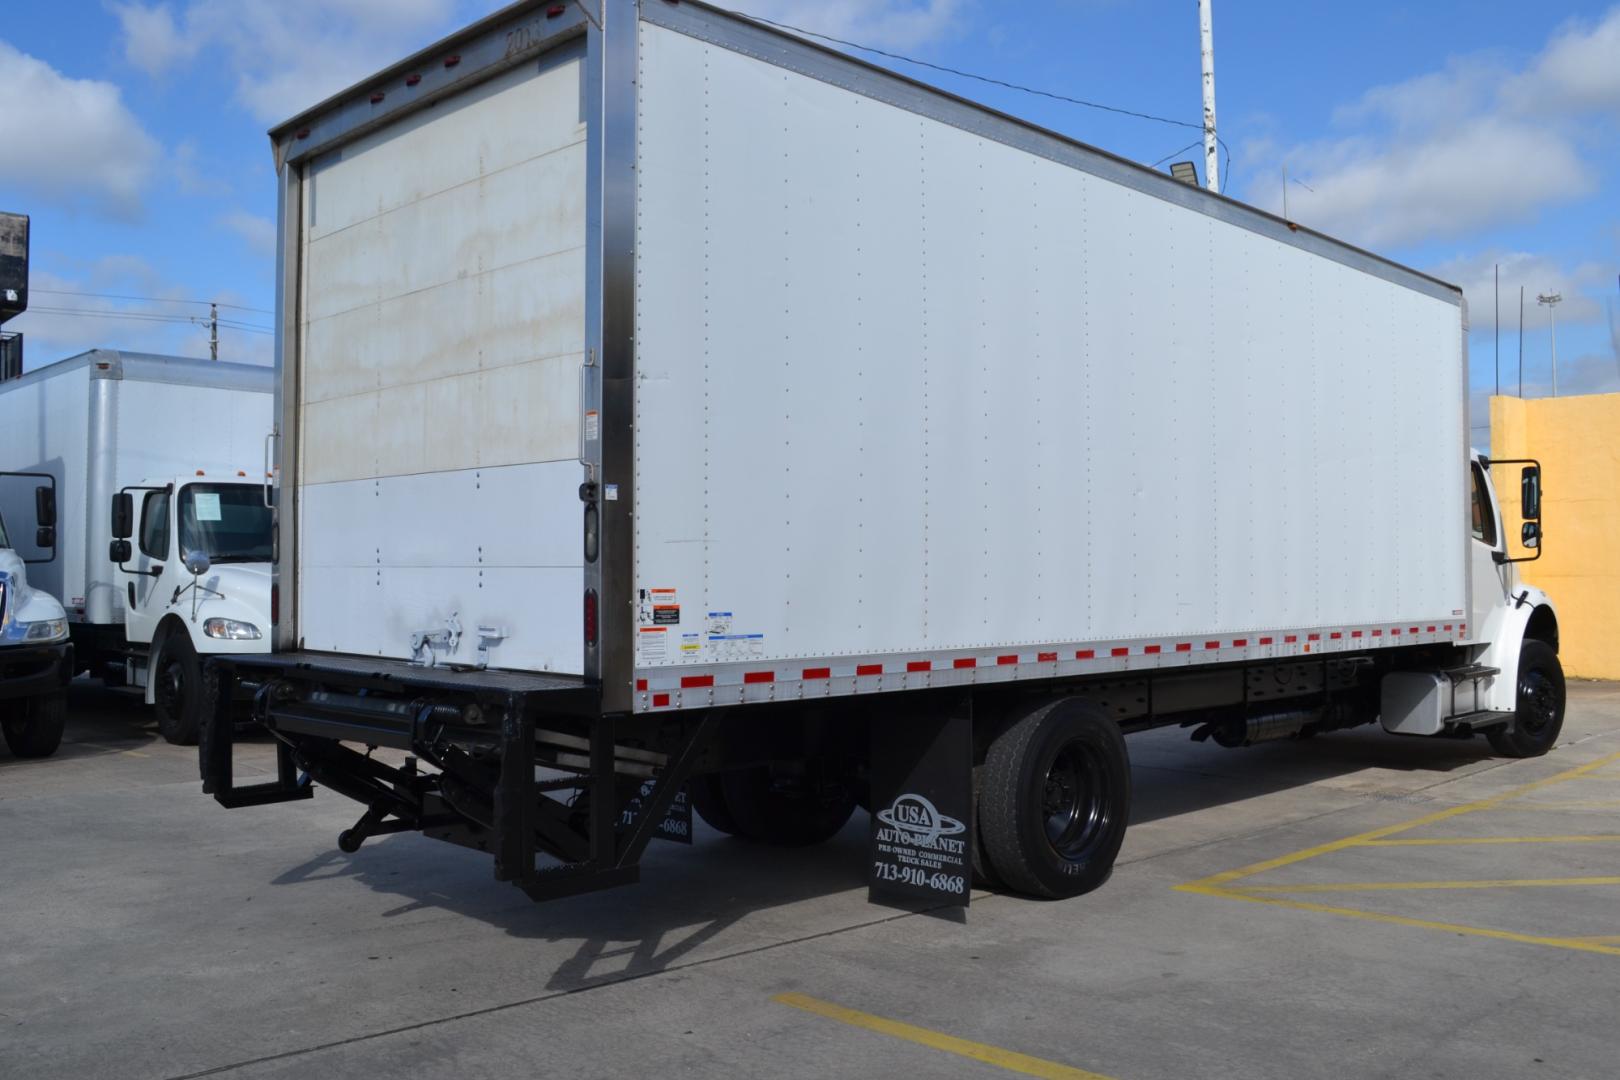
{"x":33,"y":727}
{"x":1055,"y":796}
{"x":1539,"y":712}
{"x":786,"y":811}
{"x":709,"y":803}
{"x":177,"y":695}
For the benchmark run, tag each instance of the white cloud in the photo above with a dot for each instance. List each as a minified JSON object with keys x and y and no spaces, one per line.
{"x":1580,"y":285}
{"x":70,"y":141}
{"x":285,"y":55}
{"x":66,"y":317}
{"x":884,"y":23}
{"x":1475,"y":144}
{"x":259,"y":233}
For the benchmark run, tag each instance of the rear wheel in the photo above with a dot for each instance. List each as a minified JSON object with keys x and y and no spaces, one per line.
{"x":785,"y":809}
{"x":177,"y":695}
{"x":1055,"y":795}
{"x":709,"y":803}
{"x":33,"y":727}
{"x":1539,"y":712}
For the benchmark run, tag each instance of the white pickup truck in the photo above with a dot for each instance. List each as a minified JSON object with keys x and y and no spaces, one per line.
{"x":36,"y":658}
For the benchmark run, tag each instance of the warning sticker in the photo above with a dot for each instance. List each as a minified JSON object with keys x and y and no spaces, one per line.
{"x":666,"y":607}
{"x":691,"y":646}
{"x":593,"y":425}
{"x":652,"y":645}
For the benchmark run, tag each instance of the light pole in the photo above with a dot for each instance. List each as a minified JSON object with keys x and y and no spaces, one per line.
{"x":1206,"y":35}
{"x":1552,"y":300}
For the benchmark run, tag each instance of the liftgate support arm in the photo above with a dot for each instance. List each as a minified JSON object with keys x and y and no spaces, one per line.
{"x":217,"y":741}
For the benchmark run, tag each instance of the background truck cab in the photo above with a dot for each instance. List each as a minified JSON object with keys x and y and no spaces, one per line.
{"x":36,"y":659}
{"x":195,"y":553}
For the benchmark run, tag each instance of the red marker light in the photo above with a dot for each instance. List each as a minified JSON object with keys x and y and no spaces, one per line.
{"x":590,"y":618}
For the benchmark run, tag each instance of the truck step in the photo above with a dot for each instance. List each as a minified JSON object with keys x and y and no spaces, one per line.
{"x":1481,"y":720}
{"x":1472,"y":671}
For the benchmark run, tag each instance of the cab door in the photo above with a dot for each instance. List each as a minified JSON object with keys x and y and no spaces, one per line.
{"x":148,"y":590}
{"x":1490,"y":576}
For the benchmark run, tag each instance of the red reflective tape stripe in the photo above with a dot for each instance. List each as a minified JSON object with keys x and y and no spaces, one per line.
{"x":965,"y":662}
{"x":1448,"y":628}
{"x":1183,"y":646}
{"x":1335,"y":635}
{"x":1265,"y":641}
{"x":1414,"y":630}
{"x":1313,"y":637}
{"x":1212,"y":644}
{"x":660,"y":700}
{"x":1240,"y":643}
{"x":1046,"y":657}
{"x":692,"y":682}
{"x":869,"y":669}
{"x":1395,"y":632}
{"x":1355,"y":633}
{"x":1119,"y":651}
{"x":1150,"y":649}
{"x":641,"y":684}
{"x":1290,"y":639}
{"x":1006,"y":659}
{"x":1378,"y":633}
{"x":1085,"y":654}
{"x":817,"y":673}
{"x":759,"y":676}
{"x":1462,"y":626}
{"x":919,"y":665}
{"x":1431,"y":629}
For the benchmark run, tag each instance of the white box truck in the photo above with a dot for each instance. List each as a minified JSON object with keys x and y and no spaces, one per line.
{"x":163,"y":549}
{"x":680,"y":414}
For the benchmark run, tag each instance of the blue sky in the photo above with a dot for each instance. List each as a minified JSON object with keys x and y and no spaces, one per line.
{"x":1449,"y":136}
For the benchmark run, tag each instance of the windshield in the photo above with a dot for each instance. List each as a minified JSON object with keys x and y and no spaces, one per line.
{"x":4,"y":543}
{"x":228,"y":521}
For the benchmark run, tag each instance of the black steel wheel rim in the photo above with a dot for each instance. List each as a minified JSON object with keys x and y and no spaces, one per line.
{"x":171,"y":688}
{"x":1075,"y":804}
{"x":1538,"y":701}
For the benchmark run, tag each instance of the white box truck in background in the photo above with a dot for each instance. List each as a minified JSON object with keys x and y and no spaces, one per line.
{"x":718,"y":421}
{"x":156,"y":459}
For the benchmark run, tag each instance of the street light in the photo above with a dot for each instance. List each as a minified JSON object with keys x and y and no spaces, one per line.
{"x":1552,"y":300}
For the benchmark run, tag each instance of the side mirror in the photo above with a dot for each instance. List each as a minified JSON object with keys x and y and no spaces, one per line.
{"x":197,"y":563}
{"x":45,"y":536}
{"x":119,"y":551}
{"x":123,"y":517}
{"x":1530,"y":493}
{"x":1530,"y":535}
{"x":45,"y":509}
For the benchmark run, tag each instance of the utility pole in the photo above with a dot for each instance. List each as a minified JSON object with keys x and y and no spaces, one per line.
{"x":1206,"y":33}
{"x":213,"y":331}
{"x":1521,"y":341}
{"x":1552,"y":300}
{"x":1496,"y":325}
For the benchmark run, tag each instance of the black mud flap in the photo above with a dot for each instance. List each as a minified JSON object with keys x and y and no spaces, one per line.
{"x":922,"y":808}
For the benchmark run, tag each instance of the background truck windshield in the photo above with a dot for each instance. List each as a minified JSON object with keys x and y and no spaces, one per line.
{"x":228,"y":521}
{"x":4,"y":543}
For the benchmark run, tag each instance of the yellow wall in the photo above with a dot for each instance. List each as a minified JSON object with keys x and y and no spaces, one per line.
{"x":1577,"y":440}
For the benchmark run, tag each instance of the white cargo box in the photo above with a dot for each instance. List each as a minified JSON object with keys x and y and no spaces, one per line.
{"x":869,"y":388}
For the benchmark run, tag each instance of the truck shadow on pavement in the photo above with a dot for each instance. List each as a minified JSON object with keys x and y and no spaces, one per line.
{"x":723,"y":896}
{"x":100,"y":722}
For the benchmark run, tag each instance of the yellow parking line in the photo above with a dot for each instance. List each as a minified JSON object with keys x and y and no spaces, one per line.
{"x":1225,"y":877}
{"x":1571,"y":804}
{"x":1395,"y":886}
{"x":1447,"y":841}
{"x":1578,"y":944}
{"x":950,"y":1044}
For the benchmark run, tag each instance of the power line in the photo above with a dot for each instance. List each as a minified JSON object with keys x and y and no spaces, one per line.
{"x":150,"y":299}
{"x":987,"y":79}
{"x":146,"y":316}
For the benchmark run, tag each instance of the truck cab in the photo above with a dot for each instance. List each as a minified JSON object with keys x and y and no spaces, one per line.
{"x":36,"y":659}
{"x":195,"y":552}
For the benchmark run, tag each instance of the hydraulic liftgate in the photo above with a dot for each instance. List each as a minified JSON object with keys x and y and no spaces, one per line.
{"x":487,"y":736}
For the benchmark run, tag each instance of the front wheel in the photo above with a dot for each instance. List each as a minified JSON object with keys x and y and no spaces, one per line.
{"x":177,"y":697}
{"x":34,"y":727}
{"x":1055,"y":792}
{"x":1539,"y":709}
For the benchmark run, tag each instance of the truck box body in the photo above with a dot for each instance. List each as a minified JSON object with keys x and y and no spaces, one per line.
{"x":105,"y":420}
{"x":870,"y":388}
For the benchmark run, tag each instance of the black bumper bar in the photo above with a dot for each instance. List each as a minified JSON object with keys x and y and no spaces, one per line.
{"x":31,"y":670}
{"x":483,"y":736}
